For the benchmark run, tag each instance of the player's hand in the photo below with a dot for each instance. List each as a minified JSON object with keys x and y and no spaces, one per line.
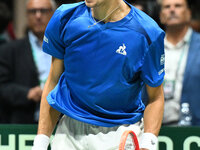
{"x":144,"y":149}
{"x":35,"y":94}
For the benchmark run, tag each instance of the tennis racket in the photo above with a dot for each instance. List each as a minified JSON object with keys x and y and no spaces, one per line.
{"x":129,"y":141}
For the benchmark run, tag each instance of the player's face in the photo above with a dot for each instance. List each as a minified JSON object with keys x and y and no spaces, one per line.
{"x":94,"y":3}
{"x":174,"y":12}
{"x":39,"y":13}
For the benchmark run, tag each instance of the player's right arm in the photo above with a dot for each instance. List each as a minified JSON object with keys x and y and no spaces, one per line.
{"x":48,"y":115}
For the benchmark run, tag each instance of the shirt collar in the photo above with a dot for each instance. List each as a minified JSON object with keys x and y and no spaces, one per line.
{"x":33,"y":39}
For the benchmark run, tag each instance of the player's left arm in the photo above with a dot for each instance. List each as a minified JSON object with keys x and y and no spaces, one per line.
{"x":153,"y":113}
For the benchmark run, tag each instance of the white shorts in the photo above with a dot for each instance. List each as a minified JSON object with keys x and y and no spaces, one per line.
{"x":75,"y":135}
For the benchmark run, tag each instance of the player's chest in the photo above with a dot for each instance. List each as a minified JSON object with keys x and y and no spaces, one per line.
{"x":107,"y":43}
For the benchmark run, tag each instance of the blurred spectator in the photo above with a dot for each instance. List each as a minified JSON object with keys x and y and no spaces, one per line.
{"x":195,"y":25}
{"x":182,"y":53}
{"x":10,"y":31}
{"x":24,"y":67}
{"x":195,"y":22}
{"x":4,"y":19}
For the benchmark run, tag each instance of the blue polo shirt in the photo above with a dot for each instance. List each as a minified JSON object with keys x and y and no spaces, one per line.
{"x":106,"y":65}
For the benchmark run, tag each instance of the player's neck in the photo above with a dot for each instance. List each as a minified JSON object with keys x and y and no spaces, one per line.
{"x":111,"y":10}
{"x":175,"y":35}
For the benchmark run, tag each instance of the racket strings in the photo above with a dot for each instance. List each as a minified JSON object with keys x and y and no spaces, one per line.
{"x":128,"y":141}
{"x":129,"y":145}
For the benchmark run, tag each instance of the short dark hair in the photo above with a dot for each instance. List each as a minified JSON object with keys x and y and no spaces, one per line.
{"x":5,"y":16}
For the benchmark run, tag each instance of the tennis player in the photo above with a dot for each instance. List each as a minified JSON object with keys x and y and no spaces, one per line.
{"x":104,"y":52}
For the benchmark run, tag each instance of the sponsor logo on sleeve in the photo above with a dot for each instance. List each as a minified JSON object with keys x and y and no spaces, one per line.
{"x":162,"y":59}
{"x":46,"y":39}
{"x":161,"y":71}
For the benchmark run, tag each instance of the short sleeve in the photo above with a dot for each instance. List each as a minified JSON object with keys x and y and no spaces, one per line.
{"x":52,"y":42}
{"x":153,"y":66}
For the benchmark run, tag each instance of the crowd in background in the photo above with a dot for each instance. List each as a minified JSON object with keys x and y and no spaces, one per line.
{"x":24,"y":69}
